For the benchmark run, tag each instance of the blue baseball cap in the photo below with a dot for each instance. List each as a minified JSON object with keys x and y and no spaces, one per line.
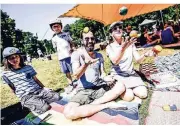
{"x":10,"y":51}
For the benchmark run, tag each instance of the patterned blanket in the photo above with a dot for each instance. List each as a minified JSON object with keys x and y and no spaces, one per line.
{"x":106,"y":116}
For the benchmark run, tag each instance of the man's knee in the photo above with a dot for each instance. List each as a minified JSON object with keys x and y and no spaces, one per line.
{"x":127,"y":95}
{"x":141,"y":92}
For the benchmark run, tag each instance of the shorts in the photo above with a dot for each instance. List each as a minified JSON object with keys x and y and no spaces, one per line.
{"x":65,"y":65}
{"x":39,"y":102}
{"x":130,"y":81}
{"x":86,"y":96}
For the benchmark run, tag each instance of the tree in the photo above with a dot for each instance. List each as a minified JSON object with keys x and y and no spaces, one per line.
{"x":7,"y":30}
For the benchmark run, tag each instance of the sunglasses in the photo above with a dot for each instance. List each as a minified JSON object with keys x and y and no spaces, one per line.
{"x":88,"y":38}
{"x":117,"y":27}
{"x":13,"y":57}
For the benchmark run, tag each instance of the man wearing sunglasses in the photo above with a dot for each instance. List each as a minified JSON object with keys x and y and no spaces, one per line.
{"x":93,"y":93}
{"x":62,"y":42}
{"x":121,"y":53}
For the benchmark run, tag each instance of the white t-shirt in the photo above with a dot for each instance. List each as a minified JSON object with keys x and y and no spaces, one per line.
{"x":39,"y":52}
{"x":61,"y":42}
{"x":126,"y":63}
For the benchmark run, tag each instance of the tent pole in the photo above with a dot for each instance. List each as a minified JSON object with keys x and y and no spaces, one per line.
{"x":177,"y":10}
{"x":104,"y":32}
{"x":161,"y":17}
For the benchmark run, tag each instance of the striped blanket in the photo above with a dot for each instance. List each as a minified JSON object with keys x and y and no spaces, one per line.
{"x":106,"y":116}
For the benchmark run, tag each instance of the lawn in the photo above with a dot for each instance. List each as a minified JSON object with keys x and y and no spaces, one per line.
{"x":49,"y":74}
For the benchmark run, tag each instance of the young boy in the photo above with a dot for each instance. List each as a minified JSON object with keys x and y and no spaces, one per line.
{"x":62,"y":42}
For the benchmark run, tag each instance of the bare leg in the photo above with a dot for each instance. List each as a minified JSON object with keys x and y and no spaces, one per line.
{"x":127,"y":95}
{"x":112,"y":94}
{"x":69,"y":79}
{"x":140,"y":91}
{"x":74,"y":111}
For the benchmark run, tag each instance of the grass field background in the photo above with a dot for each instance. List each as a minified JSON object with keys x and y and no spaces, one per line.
{"x":49,"y":74}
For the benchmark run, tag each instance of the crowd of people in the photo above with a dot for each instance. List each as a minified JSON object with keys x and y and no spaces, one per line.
{"x":167,"y":34}
{"x":95,"y":89}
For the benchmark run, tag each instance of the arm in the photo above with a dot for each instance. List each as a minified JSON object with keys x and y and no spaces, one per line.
{"x":148,"y":38}
{"x":172,"y":31}
{"x":38,"y":81}
{"x":54,"y":44}
{"x":77,"y":69}
{"x":136,"y":55}
{"x":102,"y":69}
{"x":6,"y":80}
{"x":117,"y":58}
{"x":160,"y":36}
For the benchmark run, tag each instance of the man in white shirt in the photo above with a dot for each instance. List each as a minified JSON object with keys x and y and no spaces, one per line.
{"x":121,"y":53}
{"x":62,"y":43}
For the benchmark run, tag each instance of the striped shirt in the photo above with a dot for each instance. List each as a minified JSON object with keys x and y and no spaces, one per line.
{"x":22,"y":80}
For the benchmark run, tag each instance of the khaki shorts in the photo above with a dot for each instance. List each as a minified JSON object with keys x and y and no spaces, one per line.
{"x":86,"y":96}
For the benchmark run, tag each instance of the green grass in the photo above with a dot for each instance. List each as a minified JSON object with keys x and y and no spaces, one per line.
{"x":49,"y":74}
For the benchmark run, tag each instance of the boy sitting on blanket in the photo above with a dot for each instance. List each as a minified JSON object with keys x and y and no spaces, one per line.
{"x":93,"y":93}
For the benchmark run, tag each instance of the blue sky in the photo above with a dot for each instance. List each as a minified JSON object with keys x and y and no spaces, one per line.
{"x":35,"y":18}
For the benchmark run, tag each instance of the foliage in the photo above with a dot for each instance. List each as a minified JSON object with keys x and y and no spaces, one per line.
{"x":25,"y":41}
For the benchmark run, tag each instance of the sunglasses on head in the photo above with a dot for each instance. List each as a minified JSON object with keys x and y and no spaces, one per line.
{"x":13,"y":57}
{"x":117,"y":27}
{"x":88,"y":38}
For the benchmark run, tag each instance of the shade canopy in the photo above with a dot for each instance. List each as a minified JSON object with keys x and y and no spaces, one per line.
{"x":108,"y":13}
{"x":146,"y":21}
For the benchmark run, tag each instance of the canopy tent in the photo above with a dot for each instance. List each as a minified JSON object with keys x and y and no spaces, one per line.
{"x":108,"y":13}
{"x":146,"y":21}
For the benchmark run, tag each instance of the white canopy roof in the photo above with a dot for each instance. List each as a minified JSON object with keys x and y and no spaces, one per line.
{"x":146,"y":21}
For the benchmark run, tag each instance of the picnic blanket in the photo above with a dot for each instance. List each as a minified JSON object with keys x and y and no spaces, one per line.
{"x":162,"y":77}
{"x":157,"y":116}
{"x":106,"y":116}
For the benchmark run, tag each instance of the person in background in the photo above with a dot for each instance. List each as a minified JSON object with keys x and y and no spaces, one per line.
{"x":29,"y":59}
{"x":128,"y":30}
{"x":22,"y":79}
{"x":168,"y":36}
{"x":40,"y":54}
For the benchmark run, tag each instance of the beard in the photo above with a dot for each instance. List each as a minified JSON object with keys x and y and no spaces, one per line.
{"x":90,"y":47}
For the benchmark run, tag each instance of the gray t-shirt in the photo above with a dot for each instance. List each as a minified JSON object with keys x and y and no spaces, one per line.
{"x":92,"y":74}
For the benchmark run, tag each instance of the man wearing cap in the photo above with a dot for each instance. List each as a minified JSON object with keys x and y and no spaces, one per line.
{"x":121,"y":53}
{"x":93,"y":93}
{"x":62,"y":42}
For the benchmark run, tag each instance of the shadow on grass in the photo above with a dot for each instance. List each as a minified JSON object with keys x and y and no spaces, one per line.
{"x":143,"y":111}
{"x":16,"y":112}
